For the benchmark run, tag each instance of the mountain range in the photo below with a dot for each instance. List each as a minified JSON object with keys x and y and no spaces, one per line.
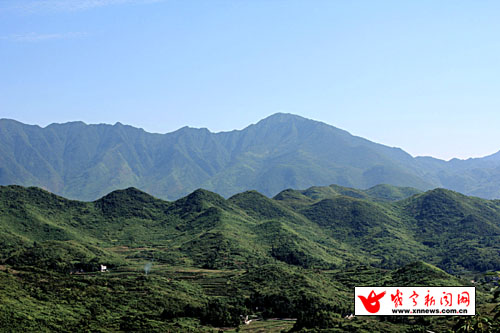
{"x":283,"y":151}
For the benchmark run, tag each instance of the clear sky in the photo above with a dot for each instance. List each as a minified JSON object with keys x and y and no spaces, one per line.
{"x":420,"y":75}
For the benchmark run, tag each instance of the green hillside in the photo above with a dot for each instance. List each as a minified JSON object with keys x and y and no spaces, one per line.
{"x":202,"y":261}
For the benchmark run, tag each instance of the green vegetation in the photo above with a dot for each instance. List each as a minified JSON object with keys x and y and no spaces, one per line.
{"x":204,"y":263}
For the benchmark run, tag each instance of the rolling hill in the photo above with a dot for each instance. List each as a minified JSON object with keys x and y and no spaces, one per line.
{"x":324,"y":227}
{"x":212,"y":260}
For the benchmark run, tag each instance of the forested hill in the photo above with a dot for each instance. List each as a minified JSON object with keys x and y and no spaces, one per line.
{"x":323,"y":227}
{"x":283,"y":151}
{"x":203,"y":262}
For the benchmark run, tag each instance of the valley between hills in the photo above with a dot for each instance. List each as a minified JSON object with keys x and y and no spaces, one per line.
{"x":204,"y":262}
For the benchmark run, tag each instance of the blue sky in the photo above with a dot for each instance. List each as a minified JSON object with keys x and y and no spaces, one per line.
{"x":420,"y":75}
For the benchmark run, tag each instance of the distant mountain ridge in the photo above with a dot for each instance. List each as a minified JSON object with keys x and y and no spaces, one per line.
{"x":282,"y":151}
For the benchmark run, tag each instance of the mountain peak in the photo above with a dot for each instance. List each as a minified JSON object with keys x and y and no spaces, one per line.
{"x":202,"y":196}
{"x":128,"y":194}
{"x":128,"y":202}
{"x":281,"y":117}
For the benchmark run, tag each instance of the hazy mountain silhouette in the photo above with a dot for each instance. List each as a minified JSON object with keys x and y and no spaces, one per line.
{"x":282,"y":151}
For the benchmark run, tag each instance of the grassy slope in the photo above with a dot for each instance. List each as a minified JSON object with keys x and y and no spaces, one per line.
{"x":283,"y":254}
